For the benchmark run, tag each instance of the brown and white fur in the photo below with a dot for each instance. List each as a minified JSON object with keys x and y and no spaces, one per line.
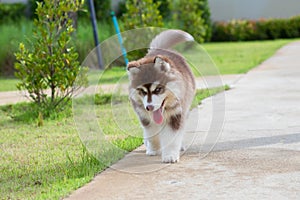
{"x":161,"y":89}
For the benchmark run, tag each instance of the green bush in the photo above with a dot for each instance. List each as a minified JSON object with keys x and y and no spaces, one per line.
{"x":192,"y":22}
{"x":203,"y":5}
{"x":192,"y":16}
{"x":102,"y":10}
{"x":164,"y":8}
{"x":32,"y":6}
{"x":243,"y":30}
{"x":142,"y":14}
{"x":51,"y":63}
{"x":235,"y":30}
{"x":260,"y":30}
{"x":11,"y":12}
{"x":292,"y":28}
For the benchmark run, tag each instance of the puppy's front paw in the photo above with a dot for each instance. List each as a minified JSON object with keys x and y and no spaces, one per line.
{"x":170,"y":158}
{"x":151,"y":153}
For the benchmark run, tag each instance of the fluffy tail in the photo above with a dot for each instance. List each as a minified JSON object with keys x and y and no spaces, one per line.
{"x":169,"y":38}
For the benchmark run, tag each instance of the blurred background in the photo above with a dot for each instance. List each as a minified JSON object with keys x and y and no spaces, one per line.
{"x":206,"y":20}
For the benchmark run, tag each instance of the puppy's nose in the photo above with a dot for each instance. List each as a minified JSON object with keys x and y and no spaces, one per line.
{"x":149,"y":108}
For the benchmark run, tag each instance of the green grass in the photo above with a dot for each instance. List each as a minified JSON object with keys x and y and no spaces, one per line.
{"x":11,"y":36}
{"x":8,"y":84}
{"x":240,"y":57}
{"x":48,"y":162}
{"x":109,"y":76}
{"x":85,"y":40}
{"x":204,"y":93}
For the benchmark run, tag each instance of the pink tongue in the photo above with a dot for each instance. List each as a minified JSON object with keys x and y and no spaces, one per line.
{"x":157,"y":116}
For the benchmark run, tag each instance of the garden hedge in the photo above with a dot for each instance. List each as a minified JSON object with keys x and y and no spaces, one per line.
{"x":264,"y":29}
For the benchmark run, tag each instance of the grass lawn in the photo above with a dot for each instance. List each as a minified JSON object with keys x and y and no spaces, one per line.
{"x":48,"y":162}
{"x":229,"y":57}
{"x":8,"y":84}
{"x":240,"y":57}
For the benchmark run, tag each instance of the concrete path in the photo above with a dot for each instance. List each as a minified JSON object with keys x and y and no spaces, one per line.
{"x":12,"y":97}
{"x":257,"y":155}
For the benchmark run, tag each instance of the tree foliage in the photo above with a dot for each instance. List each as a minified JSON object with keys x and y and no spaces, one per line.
{"x":192,"y":16}
{"x":48,"y":68}
{"x":203,"y":5}
{"x":142,"y":14}
{"x":102,"y":8}
{"x":187,"y":16}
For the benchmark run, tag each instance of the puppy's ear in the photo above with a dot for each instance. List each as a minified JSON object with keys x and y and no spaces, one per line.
{"x":161,"y":63}
{"x":132,"y":69}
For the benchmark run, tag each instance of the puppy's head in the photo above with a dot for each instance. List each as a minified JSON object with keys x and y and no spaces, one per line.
{"x":150,"y":82}
{"x":157,"y":65}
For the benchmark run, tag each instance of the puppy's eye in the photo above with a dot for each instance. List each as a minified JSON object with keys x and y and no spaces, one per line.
{"x":142,"y":92}
{"x":157,"y":90}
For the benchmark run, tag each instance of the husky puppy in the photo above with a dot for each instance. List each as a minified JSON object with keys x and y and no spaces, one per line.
{"x":161,"y":90}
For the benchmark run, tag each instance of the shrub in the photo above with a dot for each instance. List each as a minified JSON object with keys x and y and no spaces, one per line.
{"x":11,"y":12}
{"x":163,"y":8}
{"x":292,"y":28}
{"x":192,"y":22}
{"x":260,"y":30}
{"x":235,"y":30}
{"x":32,"y":6}
{"x":192,"y":16}
{"x":51,"y":63}
{"x":203,"y":5}
{"x":142,"y":14}
{"x":102,"y":10}
{"x":241,"y":30}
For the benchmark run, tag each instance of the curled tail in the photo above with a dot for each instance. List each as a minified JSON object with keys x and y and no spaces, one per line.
{"x":169,"y":38}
